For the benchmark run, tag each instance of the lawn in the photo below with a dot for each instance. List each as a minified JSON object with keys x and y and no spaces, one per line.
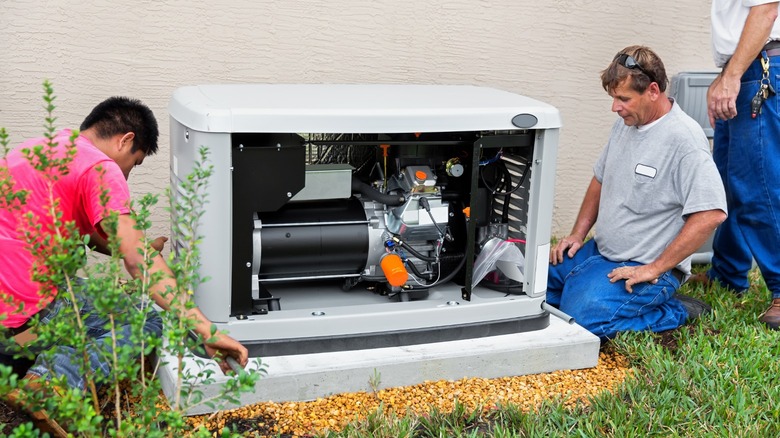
{"x":717,"y":376}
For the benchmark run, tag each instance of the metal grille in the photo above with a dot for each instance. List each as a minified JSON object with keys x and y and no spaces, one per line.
{"x":518,"y":203}
{"x":339,"y":150}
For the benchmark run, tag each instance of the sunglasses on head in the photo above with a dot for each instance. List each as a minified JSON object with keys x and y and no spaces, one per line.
{"x":630,"y":63}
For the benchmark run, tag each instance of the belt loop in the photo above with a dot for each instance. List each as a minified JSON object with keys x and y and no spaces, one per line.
{"x":678,"y":274}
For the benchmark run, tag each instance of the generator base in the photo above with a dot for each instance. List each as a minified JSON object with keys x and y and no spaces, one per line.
{"x":303,"y":377}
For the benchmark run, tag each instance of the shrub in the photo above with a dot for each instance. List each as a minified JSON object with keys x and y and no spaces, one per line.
{"x":127,"y":400}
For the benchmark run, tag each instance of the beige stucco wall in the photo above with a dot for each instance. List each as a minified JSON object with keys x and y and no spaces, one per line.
{"x":552,"y":50}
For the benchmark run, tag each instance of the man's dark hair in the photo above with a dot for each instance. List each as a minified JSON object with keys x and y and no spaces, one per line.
{"x":120,"y":115}
{"x":650,"y":69}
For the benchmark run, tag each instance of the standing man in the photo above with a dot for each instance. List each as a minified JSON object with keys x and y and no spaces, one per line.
{"x":743,"y":109}
{"x":115,"y":137}
{"x":654,"y":198}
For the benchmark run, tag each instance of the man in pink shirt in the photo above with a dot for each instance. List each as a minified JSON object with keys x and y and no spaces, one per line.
{"x":115,"y":137}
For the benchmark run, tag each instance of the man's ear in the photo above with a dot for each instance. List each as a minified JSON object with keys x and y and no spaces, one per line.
{"x":656,"y":89}
{"x":126,"y":141}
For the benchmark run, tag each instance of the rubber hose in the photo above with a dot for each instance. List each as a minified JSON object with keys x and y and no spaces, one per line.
{"x":375,"y":195}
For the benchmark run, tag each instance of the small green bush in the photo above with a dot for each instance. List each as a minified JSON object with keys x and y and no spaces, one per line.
{"x":127,"y":401}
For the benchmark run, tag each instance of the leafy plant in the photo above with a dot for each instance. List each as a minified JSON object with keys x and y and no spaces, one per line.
{"x":125,"y":400}
{"x":375,"y":381}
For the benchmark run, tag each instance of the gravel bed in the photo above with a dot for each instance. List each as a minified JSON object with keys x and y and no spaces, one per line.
{"x":333,"y":413}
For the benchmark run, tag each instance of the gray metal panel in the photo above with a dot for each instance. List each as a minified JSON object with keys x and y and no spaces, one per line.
{"x":326,"y":181}
{"x":689,"y":89}
{"x":327,"y":311}
{"x":353,"y":108}
{"x":540,"y":207}
{"x":213,"y":297}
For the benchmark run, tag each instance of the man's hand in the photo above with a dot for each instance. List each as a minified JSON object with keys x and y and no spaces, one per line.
{"x":159,"y":243}
{"x":222,"y":345}
{"x":219,"y":345}
{"x":722,"y":98}
{"x":634,"y":275}
{"x":571,"y":243}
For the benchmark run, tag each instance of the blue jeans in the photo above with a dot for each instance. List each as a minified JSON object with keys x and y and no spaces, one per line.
{"x":747,"y":153}
{"x":62,"y":360}
{"x":579,"y":286}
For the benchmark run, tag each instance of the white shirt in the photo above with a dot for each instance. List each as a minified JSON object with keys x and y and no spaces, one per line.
{"x":728,"y":20}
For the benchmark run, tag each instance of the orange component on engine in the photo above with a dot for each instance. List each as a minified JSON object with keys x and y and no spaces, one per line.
{"x":394,"y":270}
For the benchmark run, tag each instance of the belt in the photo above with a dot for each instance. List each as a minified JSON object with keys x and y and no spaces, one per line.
{"x":770,"y":53}
{"x":771,"y":48}
{"x":678,"y":274}
{"x":28,"y":324}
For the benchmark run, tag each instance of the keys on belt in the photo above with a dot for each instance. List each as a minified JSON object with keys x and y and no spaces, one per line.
{"x":765,"y":90}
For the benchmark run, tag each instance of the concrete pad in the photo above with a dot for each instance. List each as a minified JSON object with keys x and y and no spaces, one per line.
{"x":311,"y":376}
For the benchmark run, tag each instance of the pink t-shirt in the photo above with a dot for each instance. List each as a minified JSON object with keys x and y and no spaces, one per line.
{"x":78,"y":192}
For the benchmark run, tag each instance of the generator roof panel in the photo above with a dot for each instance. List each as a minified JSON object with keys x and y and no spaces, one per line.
{"x":331,"y":108}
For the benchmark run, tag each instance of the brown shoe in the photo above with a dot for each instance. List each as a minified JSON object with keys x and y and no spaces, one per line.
{"x":40,"y":417}
{"x":772,"y":315}
{"x":700,"y":279}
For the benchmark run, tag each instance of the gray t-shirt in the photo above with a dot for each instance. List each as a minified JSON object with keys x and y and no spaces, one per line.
{"x":651,"y":180}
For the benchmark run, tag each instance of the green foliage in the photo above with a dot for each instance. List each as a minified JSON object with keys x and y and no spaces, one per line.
{"x":375,"y":381}
{"x":4,"y":142}
{"x":125,"y":400}
{"x":377,"y":424}
{"x":461,"y":422}
{"x":714,"y":377}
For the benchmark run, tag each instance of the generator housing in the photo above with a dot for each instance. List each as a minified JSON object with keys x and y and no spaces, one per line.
{"x":347,"y":217}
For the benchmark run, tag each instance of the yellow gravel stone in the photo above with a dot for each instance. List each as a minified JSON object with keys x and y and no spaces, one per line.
{"x":526,"y":392}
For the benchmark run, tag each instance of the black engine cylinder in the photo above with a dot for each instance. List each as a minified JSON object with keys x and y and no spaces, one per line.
{"x":310,"y":239}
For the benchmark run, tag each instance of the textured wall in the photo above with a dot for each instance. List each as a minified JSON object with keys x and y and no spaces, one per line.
{"x":551,"y":50}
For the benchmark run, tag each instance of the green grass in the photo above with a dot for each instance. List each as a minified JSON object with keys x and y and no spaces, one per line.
{"x":719,"y":376}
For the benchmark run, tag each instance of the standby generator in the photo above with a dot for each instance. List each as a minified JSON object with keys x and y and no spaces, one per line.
{"x":345,"y":217}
